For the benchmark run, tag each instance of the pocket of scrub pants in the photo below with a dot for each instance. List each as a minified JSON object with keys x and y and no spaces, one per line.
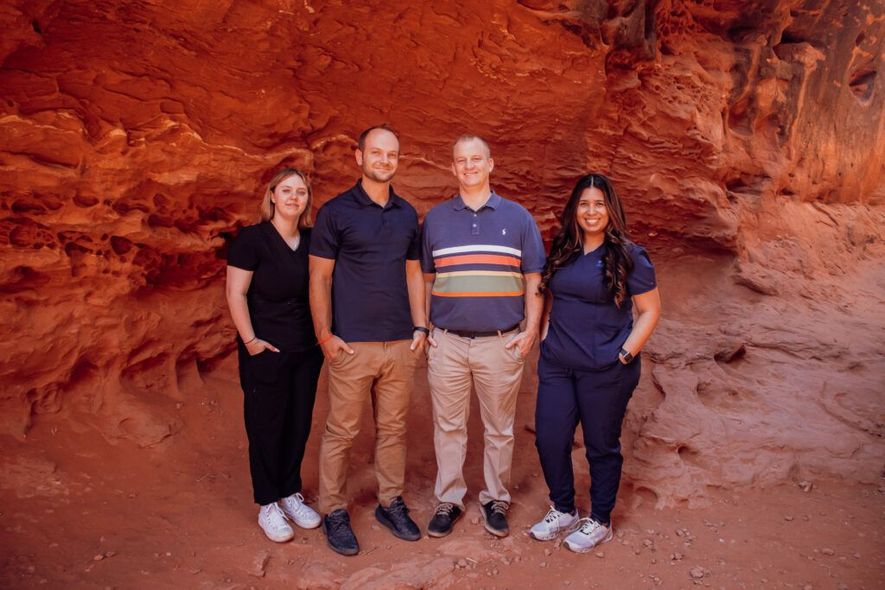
{"x":265,"y":366}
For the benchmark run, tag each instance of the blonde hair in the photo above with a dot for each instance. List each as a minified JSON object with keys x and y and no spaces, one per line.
{"x":266,"y":208}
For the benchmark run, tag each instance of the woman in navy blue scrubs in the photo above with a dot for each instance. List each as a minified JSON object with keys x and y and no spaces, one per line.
{"x":589,"y":365}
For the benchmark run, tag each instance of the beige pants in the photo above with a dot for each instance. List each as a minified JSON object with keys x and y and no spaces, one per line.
{"x":495,"y":372}
{"x":383,"y":372}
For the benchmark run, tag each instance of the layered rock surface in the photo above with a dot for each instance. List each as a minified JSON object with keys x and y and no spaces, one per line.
{"x":745,"y":137}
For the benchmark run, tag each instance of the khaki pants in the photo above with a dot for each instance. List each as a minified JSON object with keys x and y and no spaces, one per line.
{"x":384,"y":372}
{"x":495,"y":372}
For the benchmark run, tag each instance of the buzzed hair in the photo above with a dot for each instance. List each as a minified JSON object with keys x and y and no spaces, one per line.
{"x":471,"y":137}
{"x":361,"y":142}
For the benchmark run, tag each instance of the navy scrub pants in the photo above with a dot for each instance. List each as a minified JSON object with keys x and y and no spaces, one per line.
{"x":598,"y":399}
{"x":279,"y":391}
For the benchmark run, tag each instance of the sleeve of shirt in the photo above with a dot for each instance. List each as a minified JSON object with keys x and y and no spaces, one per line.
{"x":414,"y":252}
{"x":324,"y":240}
{"x":533,"y":255}
{"x":427,"y":264}
{"x":642,"y":279}
{"x":243,"y":252}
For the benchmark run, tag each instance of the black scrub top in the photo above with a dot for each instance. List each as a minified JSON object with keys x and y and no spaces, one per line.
{"x":587,"y":329}
{"x":278,"y":294}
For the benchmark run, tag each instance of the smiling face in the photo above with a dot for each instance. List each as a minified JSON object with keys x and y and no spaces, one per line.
{"x":472,"y":163}
{"x":592,"y":214}
{"x":290,"y":197}
{"x":380,"y":157}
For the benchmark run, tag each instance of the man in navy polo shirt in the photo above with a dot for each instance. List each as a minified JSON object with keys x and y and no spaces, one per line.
{"x":482,"y":256}
{"x":368,"y":307}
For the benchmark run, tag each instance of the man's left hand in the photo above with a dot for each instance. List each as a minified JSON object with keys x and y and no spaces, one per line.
{"x":524,"y":341}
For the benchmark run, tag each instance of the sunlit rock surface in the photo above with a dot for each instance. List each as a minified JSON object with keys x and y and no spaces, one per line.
{"x":745,"y":137}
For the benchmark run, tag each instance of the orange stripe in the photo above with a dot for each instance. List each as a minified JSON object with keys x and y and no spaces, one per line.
{"x":479,"y":294}
{"x":478,"y":259}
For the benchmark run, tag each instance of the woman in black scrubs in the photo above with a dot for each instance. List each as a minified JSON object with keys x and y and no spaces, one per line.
{"x":279,"y":358}
{"x":589,"y":363}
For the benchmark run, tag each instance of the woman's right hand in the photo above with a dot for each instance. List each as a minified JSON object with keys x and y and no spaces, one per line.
{"x":258,"y":346}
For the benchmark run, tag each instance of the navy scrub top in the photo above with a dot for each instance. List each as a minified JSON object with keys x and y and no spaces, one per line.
{"x":586,"y":328}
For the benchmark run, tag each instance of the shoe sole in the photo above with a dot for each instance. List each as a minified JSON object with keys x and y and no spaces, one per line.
{"x":336,"y":549}
{"x":379,"y":516}
{"x":305,"y":526}
{"x":489,"y":527}
{"x":438,"y":535}
{"x":278,"y":539}
{"x":611,"y":535}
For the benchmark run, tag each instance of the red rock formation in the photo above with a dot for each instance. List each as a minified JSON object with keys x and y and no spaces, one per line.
{"x":746,"y":136}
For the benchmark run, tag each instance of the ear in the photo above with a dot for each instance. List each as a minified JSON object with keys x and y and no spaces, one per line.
{"x":491,"y":164}
{"x":454,"y":170}
{"x":358,"y":154}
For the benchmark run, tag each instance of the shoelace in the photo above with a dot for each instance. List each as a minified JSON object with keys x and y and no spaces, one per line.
{"x":553,"y":515}
{"x":279,"y":512}
{"x":500,"y":507}
{"x":589,"y":526}
{"x":446,"y":508}
{"x":299,"y":504}
{"x":398,"y":508}
{"x":336,"y":522}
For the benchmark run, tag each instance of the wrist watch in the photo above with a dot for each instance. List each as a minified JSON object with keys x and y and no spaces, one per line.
{"x":626,"y":355}
{"x":423,"y":329}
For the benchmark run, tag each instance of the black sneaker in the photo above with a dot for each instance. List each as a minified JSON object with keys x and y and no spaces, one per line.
{"x":339,"y":535}
{"x":444,"y":519}
{"x":396,"y":518}
{"x":494,"y":514}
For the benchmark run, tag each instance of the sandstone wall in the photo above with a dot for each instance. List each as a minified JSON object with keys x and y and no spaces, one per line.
{"x":747,"y":138}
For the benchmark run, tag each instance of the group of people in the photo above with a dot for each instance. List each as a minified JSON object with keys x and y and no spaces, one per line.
{"x":370,"y":291}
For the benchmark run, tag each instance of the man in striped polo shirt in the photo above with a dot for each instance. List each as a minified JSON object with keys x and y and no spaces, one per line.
{"x":482,"y":256}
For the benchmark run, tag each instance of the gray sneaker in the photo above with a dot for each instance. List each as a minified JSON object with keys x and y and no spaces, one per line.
{"x":553,"y":524}
{"x":588,"y":535}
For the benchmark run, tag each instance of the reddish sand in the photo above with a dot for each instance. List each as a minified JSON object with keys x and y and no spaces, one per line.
{"x":81,"y":513}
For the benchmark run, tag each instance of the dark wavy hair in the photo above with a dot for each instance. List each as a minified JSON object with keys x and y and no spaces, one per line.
{"x":569,"y":241}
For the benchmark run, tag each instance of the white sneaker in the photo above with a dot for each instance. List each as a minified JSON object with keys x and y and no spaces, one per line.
{"x":300,"y":513}
{"x":273,"y":522}
{"x":588,"y":535}
{"x":553,"y":523}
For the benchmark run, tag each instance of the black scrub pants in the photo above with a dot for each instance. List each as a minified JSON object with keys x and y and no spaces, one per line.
{"x":598,"y":399}
{"x":279,"y":391}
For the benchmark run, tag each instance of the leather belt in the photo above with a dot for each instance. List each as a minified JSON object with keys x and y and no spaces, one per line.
{"x":466,"y":334}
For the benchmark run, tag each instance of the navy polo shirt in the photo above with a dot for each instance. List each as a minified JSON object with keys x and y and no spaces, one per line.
{"x":370,"y":245}
{"x":586,"y":328}
{"x":479,"y":258}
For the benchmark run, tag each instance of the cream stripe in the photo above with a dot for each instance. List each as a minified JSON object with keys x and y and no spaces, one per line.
{"x":477,"y":248}
{"x":480,"y":273}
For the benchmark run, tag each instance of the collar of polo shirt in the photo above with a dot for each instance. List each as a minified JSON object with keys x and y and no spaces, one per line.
{"x":492,"y":203}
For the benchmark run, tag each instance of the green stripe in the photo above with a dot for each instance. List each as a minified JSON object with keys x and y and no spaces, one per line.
{"x":471,"y":284}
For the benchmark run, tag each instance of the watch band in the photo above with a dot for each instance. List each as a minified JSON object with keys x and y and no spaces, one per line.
{"x":422,"y":329}
{"x":627,"y":356}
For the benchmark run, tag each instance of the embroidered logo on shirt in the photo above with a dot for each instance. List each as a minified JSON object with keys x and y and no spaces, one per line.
{"x":504,"y":232}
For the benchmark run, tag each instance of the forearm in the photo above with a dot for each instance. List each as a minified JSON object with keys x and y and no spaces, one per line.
{"x":534,"y":302}
{"x":417,"y":299}
{"x":239,"y":313}
{"x":428,"y":293}
{"x":642,"y":329}
{"x":321,"y":306}
{"x":545,"y":316}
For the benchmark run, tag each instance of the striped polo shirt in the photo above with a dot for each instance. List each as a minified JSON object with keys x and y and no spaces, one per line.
{"x":479,"y":258}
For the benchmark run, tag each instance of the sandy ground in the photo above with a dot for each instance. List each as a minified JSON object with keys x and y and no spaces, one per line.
{"x":79,"y":512}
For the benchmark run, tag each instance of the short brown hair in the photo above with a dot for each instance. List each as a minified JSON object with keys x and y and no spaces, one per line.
{"x":361,"y":142}
{"x":472,"y":137}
